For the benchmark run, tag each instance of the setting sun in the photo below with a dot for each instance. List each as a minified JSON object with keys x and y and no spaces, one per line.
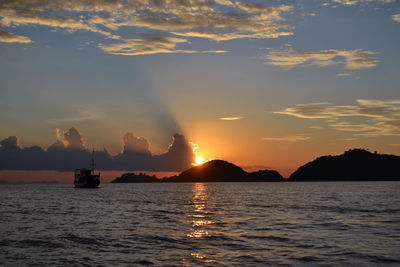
{"x":199,"y":160}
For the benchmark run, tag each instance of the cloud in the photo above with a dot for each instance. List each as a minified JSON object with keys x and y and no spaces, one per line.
{"x":379,"y":117}
{"x":313,"y":104}
{"x":137,"y":156}
{"x":69,"y":152}
{"x":287,"y":138}
{"x":179,"y":156}
{"x":231,"y":36}
{"x":231,"y":118}
{"x":345,"y":74}
{"x":83,"y":116}
{"x":218,"y":20}
{"x":74,"y":140}
{"x":135,"y":144}
{"x":17,"y":16}
{"x":214,"y":52}
{"x":350,"y":139}
{"x":208,"y":19}
{"x":154,"y":45}
{"x":10,"y":143}
{"x":316,"y":127}
{"x":289,"y":58}
{"x":8,"y":37}
{"x":355,"y":2}
{"x":396,"y":17}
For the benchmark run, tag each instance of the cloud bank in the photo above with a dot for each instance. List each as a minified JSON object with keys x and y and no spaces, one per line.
{"x":379,"y":117}
{"x":70,"y":152}
{"x":289,"y":58}
{"x":167,"y":23}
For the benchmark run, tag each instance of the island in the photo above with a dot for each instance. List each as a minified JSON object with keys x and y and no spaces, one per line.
{"x":211,"y":171}
{"x":352,"y":165}
{"x":136,"y":178}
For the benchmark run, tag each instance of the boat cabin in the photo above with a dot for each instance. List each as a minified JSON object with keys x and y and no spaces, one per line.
{"x":82,"y":172}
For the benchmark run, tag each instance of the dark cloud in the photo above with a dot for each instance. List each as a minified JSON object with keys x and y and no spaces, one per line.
{"x":136,"y":144}
{"x":180,"y":153}
{"x":71,"y":153}
{"x":10,"y":144}
{"x":74,"y":139}
{"x":178,"y":157}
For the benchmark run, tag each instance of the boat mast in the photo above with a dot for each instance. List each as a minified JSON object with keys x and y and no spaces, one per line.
{"x":93,"y":161}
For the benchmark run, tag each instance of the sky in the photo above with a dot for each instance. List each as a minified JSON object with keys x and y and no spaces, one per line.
{"x":262,"y":84}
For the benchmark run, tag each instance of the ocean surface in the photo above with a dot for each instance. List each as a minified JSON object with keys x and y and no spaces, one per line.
{"x":211,"y":224}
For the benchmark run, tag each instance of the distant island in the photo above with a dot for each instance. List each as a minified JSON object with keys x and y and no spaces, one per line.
{"x":211,"y":171}
{"x":353,"y":165}
{"x":136,"y":178}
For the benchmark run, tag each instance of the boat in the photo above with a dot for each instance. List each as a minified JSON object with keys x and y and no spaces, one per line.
{"x":86,"y":178}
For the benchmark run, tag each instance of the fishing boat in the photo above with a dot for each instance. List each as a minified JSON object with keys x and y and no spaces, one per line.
{"x":86,"y":178}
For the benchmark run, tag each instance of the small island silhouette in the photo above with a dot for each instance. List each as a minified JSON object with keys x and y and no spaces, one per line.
{"x":211,"y":171}
{"x":353,"y":165}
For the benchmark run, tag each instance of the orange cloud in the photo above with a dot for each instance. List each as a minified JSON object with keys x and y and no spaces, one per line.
{"x":287,"y":138}
{"x":381,"y":117}
{"x":8,"y":37}
{"x":289,"y":58}
{"x":232,"y":118}
{"x":219,"y":20}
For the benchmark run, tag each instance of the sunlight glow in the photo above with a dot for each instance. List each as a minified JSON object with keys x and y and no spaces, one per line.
{"x":199,"y":160}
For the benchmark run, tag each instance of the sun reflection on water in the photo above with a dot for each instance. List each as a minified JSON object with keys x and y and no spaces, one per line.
{"x":198,"y":216}
{"x":200,"y":219}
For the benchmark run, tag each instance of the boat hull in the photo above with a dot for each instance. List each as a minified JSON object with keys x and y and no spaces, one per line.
{"x":91,"y":181}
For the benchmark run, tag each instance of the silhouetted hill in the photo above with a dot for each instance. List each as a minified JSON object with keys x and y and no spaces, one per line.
{"x":223,"y":171}
{"x":212,"y":171}
{"x":353,"y":165}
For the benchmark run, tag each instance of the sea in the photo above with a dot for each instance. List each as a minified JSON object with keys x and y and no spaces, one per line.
{"x":201,"y":224}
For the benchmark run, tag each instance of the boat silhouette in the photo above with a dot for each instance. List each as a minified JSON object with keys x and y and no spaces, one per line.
{"x":86,"y":178}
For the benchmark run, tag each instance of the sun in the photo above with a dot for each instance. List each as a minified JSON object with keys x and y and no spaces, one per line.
{"x":199,"y":160}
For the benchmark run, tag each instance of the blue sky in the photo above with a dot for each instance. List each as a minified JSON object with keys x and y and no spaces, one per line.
{"x":292,"y":76}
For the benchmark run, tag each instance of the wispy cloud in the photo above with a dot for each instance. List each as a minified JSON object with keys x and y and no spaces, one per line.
{"x":151,"y":45}
{"x":83,"y":116}
{"x":8,"y":37}
{"x":287,"y":138}
{"x":355,"y":2}
{"x":171,"y":21}
{"x":154,"y":45}
{"x":396,"y":17}
{"x":345,"y":74}
{"x":231,"y":118}
{"x":313,"y":104}
{"x":316,"y":127}
{"x":289,"y":58}
{"x":350,"y":139}
{"x":214,"y":52}
{"x":379,"y":117}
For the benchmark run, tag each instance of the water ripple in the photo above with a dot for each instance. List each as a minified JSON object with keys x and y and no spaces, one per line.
{"x":216,"y":224}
